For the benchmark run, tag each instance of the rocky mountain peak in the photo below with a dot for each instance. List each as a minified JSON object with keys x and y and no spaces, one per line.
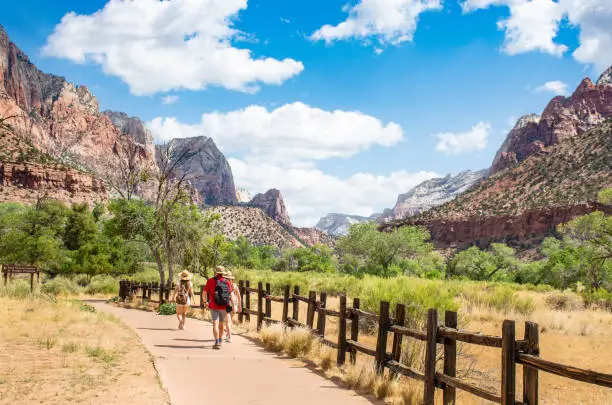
{"x":605,"y":78}
{"x":272,"y":203}
{"x":243,"y":195}
{"x":133,"y":127}
{"x":564,"y":117}
{"x":432,"y":193}
{"x":336,"y":224}
{"x":208,"y":171}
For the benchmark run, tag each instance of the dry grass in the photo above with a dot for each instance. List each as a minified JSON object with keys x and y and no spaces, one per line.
{"x":61,"y":352}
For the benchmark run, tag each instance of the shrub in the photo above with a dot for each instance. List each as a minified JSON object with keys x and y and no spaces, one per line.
{"x":61,"y":286}
{"x":168,"y":308}
{"x":273,"y":338}
{"x":564,"y":301}
{"x":298,"y":342}
{"x":102,"y":285}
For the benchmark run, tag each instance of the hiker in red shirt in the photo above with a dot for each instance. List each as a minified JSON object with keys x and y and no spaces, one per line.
{"x":218,"y":292}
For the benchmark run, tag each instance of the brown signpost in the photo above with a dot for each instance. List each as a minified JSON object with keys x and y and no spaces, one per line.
{"x":8,"y":270}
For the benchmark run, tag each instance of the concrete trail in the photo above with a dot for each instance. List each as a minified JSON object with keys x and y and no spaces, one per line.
{"x":240,"y":373}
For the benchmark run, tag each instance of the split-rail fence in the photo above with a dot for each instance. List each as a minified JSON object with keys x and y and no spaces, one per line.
{"x":525,"y":351}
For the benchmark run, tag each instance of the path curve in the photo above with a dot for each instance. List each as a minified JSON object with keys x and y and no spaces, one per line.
{"x":240,"y":373}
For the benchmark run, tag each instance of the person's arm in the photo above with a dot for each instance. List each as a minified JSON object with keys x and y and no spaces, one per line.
{"x":173,"y":295}
{"x":239,"y":297}
{"x":191,"y":292}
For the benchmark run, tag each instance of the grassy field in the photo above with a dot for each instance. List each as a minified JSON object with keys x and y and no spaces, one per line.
{"x":59,"y":351}
{"x":570,"y":334}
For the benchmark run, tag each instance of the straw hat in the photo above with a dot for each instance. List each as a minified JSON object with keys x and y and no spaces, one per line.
{"x":185,"y":275}
{"x":220,"y":270}
{"x":229,"y":275}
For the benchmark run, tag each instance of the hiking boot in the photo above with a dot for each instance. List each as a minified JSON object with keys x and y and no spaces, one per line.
{"x":217,"y":345}
{"x":228,"y":339}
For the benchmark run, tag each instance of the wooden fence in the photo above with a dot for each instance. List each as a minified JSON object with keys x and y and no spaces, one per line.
{"x":153,"y":292}
{"x":513,"y":351}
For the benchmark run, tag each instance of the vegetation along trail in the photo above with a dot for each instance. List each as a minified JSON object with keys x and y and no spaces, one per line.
{"x":240,"y":373}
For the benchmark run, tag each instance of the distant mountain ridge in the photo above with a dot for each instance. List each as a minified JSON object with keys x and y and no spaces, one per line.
{"x":548,"y":171}
{"x":338,"y":224}
{"x":432,"y":193}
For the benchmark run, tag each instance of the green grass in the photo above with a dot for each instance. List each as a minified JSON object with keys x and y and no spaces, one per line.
{"x":109,"y":357}
{"x":416,"y":293}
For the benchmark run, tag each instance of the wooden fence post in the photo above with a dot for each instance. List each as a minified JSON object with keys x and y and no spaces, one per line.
{"x":450,"y":358}
{"x":430,"y":357}
{"x":32,"y":282}
{"x":381,"y":342}
{"x":342,"y":332}
{"x":400,"y":319}
{"x":247,"y":301}
{"x":144,"y":292}
{"x":241,"y":289}
{"x":286,"y":293}
{"x":354,"y":329}
{"x":296,"y":304}
{"x":268,"y":303}
{"x":321,"y":315}
{"x":508,"y":379}
{"x":121,"y":282}
{"x":312,"y":301}
{"x":260,"y":309}
{"x":530,"y":375}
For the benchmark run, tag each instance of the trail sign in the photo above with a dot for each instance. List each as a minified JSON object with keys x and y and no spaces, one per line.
{"x":8,"y":270}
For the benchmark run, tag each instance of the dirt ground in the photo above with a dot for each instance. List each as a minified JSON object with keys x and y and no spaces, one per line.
{"x":581,"y":338}
{"x":61,"y":353}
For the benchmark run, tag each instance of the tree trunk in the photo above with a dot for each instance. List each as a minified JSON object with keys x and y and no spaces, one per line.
{"x":160,"y":266}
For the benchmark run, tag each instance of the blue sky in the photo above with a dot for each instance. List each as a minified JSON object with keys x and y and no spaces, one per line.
{"x":440,"y":68}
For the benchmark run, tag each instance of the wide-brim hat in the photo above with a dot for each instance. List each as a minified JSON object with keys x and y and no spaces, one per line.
{"x":185,"y":275}
{"x":220,"y":270}
{"x":229,"y":275}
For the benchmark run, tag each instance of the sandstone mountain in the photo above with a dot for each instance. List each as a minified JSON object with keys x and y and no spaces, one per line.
{"x":563,"y":118}
{"x":338,"y":224}
{"x":255,"y":225}
{"x":204,"y":166}
{"x":314,"y":236}
{"x":432,"y":193}
{"x":61,"y":121}
{"x":522,"y":204}
{"x":272,"y":203}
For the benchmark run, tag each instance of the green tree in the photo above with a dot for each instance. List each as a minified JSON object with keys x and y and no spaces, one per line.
{"x":80,"y":227}
{"x":378,"y":251}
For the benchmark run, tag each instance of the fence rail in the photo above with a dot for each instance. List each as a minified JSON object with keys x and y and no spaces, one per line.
{"x":513,"y":351}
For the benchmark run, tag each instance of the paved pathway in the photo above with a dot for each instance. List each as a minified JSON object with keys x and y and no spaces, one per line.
{"x":240,"y":373}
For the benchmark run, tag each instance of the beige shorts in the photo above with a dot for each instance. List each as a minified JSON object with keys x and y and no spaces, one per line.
{"x":180,"y":309}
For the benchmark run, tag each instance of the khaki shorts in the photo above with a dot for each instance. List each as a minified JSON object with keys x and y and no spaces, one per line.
{"x":180,"y":309}
{"x":219,"y":315}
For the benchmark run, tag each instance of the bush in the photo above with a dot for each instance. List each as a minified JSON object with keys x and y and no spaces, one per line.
{"x":61,"y":286}
{"x":564,"y":301}
{"x":168,"y":308}
{"x":103,"y":285}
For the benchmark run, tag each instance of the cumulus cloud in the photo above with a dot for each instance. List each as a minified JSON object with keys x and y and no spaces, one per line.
{"x":556,"y":87}
{"x":387,"y":21}
{"x":458,"y":143}
{"x":290,"y":133}
{"x":170,"y":99}
{"x":156,"y":46}
{"x":280,"y":148}
{"x":310,"y":193}
{"x":533,"y":26}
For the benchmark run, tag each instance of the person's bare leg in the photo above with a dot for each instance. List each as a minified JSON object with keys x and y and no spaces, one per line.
{"x":216,"y":330}
{"x":184,"y":317}
{"x":178,"y":316}
{"x":221,"y":330}
{"x":229,"y":326}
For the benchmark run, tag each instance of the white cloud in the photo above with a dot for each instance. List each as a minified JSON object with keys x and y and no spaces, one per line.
{"x":455,"y":144}
{"x":310,"y":193}
{"x":594,"y":17}
{"x":388,"y":21}
{"x":285,"y":20}
{"x":169,"y":99}
{"x":279,"y":148}
{"x":156,"y":46}
{"x":533,"y":26}
{"x":556,"y":87}
{"x":290,"y":133}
